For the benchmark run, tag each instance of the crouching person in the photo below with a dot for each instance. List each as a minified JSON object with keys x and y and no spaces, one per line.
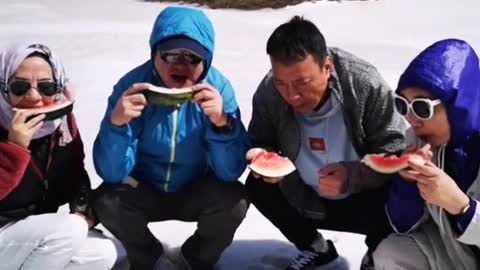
{"x":42,"y":168}
{"x":173,"y":162}
{"x":433,"y":207}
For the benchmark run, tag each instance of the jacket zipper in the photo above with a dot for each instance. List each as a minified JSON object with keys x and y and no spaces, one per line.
{"x":37,"y":170}
{"x":172,"y":152}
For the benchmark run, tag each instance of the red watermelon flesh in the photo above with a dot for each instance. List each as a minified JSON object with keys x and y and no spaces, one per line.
{"x":270,"y":164}
{"x":52,"y":111}
{"x":390,"y":164}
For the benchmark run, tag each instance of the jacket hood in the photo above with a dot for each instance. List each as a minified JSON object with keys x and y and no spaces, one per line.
{"x":449,"y":70}
{"x":180,"y":21}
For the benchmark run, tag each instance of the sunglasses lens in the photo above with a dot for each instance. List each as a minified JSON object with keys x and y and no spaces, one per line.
{"x":19,"y":88}
{"x":421,"y":109}
{"x":175,"y":58}
{"x":401,"y":106}
{"x":47,"y":88}
{"x":193,"y":59}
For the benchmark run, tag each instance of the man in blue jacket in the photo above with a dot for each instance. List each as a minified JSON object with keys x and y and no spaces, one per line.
{"x":173,"y":163}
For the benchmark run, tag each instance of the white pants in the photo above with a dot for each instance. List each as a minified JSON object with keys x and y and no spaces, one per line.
{"x":58,"y":242}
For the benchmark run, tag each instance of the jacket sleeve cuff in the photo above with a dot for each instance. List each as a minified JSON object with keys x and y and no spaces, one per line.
{"x":460,"y":222}
{"x":211,"y":134}
{"x":114,"y":132}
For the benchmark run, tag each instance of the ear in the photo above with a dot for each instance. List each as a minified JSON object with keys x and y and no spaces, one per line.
{"x":328,"y":65}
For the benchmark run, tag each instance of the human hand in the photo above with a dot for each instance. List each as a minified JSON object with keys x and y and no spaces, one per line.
{"x":250,"y":156}
{"x":332,"y":180}
{"x":130,"y":105}
{"x":436,"y":187}
{"x":424,"y":152}
{"x":22,"y":131}
{"x":211,"y":103}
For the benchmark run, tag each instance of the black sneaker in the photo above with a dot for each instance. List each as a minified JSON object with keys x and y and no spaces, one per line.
{"x":311,"y":259}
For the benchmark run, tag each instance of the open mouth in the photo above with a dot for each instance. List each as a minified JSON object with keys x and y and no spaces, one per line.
{"x":180,"y":79}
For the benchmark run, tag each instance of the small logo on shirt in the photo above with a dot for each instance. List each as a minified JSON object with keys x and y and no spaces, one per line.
{"x":317,"y":144}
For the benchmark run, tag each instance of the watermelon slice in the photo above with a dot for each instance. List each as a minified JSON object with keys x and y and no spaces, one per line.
{"x":390,"y":164}
{"x":52,"y":112}
{"x":168,"y":97}
{"x":270,"y":164}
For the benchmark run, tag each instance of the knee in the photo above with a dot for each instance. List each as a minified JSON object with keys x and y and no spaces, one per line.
{"x":386,"y":255}
{"x":234,"y":202}
{"x":106,"y":204}
{"x":69,"y":231}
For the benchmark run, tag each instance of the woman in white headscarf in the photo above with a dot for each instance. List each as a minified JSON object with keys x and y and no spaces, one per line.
{"x":42,"y":168}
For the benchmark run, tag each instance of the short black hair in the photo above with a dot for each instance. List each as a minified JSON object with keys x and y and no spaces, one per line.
{"x":294,"y":40}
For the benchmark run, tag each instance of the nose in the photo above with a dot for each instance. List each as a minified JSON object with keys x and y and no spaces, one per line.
{"x":413,"y":120}
{"x":33,"y":93}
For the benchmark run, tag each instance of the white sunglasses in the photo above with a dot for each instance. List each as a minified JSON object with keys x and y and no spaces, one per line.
{"x":422,"y":108}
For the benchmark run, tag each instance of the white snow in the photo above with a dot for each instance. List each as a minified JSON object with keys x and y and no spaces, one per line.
{"x":100,"y":40}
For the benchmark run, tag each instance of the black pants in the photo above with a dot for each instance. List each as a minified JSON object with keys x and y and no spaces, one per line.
{"x":359,"y":213}
{"x":218,"y":207}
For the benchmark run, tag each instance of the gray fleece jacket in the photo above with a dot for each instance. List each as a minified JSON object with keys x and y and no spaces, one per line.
{"x":370,"y":118}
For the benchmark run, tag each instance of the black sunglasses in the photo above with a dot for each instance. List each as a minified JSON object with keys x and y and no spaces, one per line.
{"x":20,"y":88}
{"x":422,"y":108}
{"x":183,"y":57}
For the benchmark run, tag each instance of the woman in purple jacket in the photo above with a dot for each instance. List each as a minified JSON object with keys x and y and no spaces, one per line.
{"x":433,"y":206}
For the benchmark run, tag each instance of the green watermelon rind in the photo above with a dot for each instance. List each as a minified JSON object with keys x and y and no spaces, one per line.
{"x":165,"y":97}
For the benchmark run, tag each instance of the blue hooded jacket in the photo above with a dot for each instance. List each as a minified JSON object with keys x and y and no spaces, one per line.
{"x":449,"y":70}
{"x":168,"y":147}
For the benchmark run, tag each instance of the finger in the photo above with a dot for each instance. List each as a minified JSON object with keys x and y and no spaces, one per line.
{"x":37,"y":127}
{"x":426,"y":169}
{"x":137,"y":108}
{"x":329,"y":169}
{"x":203,"y":96}
{"x":137,"y":88}
{"x":137,"y":99}
{"x":202,"y":86}
{"x":252,"y":153}
{"x":426,"y":147}
{"x":408,"y":175}
{"x":271,"y":180}
{"x":133,"y":114}
{"x":23,"y":115}
{"x":34,"y":121}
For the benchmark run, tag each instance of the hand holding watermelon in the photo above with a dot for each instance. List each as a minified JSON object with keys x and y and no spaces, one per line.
{"x":130,"y":105}
{"x":268,"y":165}
{"x":393,"y":164}
{"x":21,"y":131}
{"x":436,"y":187}
{"x":211,"y":103}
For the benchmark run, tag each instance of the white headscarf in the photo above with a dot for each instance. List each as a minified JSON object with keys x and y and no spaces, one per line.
{"x":10,"y":60}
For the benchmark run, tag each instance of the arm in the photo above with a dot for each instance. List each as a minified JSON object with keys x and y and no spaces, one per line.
{"x":384,"y":133}
{"x":227,"y":150}
{"x":115,"y":147}
{"x":260,"y":129}
{"x":14,"y":161}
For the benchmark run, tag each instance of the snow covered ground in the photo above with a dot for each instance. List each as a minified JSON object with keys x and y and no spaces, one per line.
{"x":100,"y":40}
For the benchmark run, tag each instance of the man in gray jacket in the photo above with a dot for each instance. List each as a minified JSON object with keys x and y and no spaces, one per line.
{"x":324,"y":109}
